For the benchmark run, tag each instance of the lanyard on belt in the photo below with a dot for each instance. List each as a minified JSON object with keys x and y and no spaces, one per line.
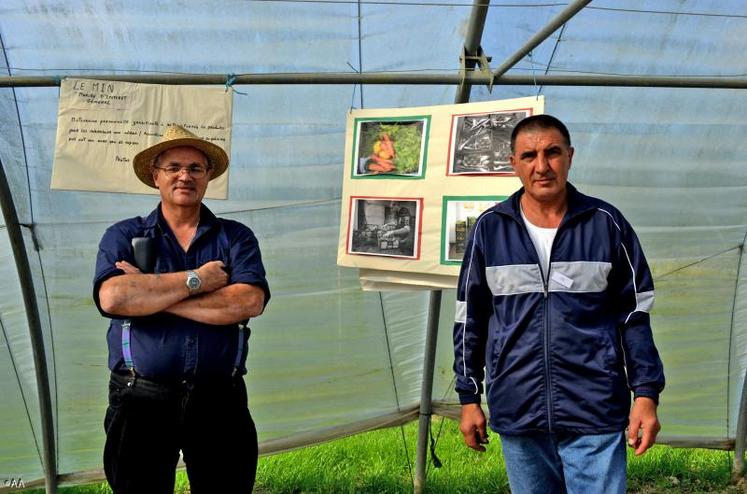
{"x":243,"y":327}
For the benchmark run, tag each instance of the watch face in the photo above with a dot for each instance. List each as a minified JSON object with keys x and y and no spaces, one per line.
{"x":193,"y":282}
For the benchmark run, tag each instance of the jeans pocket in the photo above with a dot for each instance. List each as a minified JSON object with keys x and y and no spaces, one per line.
{"x":117,"y":393}
{"x":117,"y":399}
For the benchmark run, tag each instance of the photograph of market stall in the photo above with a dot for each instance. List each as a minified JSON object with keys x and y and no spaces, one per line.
{"x":385,"y":227}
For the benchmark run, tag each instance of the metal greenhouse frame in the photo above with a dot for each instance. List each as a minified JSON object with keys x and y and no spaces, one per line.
{"x":475,"y":71}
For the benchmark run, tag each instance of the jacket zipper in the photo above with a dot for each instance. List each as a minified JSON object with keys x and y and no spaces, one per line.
{"x":545,"y":289}
{"x":546,"y":338}
{"x":547,"y":357}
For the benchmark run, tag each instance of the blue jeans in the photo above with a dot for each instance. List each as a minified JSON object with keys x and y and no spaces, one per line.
{"x":565,"y":463}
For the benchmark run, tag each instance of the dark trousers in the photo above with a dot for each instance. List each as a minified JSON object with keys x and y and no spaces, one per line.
{"x":147,"y":424}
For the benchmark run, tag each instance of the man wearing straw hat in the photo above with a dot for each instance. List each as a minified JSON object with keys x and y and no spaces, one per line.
{"x":179,"y":286}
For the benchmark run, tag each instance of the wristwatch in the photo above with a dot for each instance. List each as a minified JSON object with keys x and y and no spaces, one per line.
{"x":193,"y":282}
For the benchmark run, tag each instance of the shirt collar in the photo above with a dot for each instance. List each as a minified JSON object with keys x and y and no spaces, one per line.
{"x":577,"y":203}
{"x":207,"y":220}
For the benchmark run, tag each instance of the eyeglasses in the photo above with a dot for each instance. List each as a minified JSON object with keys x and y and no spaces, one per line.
{"x":194,"y":170}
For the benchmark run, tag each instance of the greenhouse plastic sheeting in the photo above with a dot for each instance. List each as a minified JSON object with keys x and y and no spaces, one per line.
{"x":325,"y":354}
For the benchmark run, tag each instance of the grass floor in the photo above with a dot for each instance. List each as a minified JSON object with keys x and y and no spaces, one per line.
{"x":379,"y":462}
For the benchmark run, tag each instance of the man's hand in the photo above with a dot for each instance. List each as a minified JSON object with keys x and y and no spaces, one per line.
{"x":127,"y":267}
{"x":212,"y":275}
{"x":643,"y":416}
{"x":472,"y":425}
{"x":137,"y":294}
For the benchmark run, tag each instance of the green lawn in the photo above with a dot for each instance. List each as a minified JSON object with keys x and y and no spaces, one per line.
{"x":377,"y":462}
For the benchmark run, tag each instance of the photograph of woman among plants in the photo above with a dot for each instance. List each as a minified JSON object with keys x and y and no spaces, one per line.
{"x":390,"y":147}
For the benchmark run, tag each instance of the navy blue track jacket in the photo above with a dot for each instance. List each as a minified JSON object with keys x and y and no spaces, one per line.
{"x":559,"y":353}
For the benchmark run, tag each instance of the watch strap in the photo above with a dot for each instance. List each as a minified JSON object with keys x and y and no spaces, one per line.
{"x":193,"y":282}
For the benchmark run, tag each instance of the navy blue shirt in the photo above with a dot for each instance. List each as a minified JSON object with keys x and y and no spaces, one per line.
{"x":166,"y":347}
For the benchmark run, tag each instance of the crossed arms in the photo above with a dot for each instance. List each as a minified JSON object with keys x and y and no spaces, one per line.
{"x":137,"y":294}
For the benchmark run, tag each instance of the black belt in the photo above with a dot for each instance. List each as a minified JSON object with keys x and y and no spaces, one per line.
{"x":147,"y":387}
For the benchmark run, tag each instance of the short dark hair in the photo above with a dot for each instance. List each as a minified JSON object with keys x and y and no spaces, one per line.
{"x":540,"y":122}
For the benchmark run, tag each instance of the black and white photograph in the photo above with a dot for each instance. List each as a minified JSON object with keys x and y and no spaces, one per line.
{"x":481,"y":143}
{"x":385,"y":227}
{"x":394,"y":148}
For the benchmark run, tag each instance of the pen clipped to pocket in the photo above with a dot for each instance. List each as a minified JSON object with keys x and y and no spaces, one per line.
{"x":144,"y":252}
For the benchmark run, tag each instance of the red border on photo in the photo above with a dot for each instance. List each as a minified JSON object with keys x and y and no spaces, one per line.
{"x":450,"y":157}
{"x":419,"y":200}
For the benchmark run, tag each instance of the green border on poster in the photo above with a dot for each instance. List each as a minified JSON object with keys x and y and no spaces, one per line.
{"x":354,"y":161}
{"x":444,"y":232}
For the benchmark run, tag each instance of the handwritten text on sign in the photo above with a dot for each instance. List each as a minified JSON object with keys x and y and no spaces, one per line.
{"x":102,"y":125}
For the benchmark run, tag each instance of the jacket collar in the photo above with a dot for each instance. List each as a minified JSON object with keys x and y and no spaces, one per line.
{"x":578,"y":203}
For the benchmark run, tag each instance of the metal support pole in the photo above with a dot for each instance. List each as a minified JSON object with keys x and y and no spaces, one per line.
{"x":471,"y":45}
{"x":544,"y":33}
{"x":400,"y":79}
{"x":739,"y":446}
{"x":426,"y":390}
{"x":35,"y":331}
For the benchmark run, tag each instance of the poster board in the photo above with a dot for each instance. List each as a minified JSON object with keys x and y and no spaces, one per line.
{"x":415,"y":180}
{"x":102,"y":125}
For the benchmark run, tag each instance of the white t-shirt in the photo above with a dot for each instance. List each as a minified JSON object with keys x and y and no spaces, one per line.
{"x":542,"y":239}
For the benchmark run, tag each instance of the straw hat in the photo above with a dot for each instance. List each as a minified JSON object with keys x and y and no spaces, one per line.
{"x":176,"y":136}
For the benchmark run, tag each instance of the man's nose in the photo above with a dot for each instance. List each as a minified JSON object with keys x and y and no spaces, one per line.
{"x":180,"y":175}
{"x":543,"y":163}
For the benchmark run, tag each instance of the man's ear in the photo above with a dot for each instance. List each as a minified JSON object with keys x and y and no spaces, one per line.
{"x":154,"y":174}
{"x":571,"y":150}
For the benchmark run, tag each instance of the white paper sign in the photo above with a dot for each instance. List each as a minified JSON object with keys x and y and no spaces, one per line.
{"x":102,"y":125}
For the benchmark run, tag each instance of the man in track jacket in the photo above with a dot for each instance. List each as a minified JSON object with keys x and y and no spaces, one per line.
{"x":552,"y":314}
